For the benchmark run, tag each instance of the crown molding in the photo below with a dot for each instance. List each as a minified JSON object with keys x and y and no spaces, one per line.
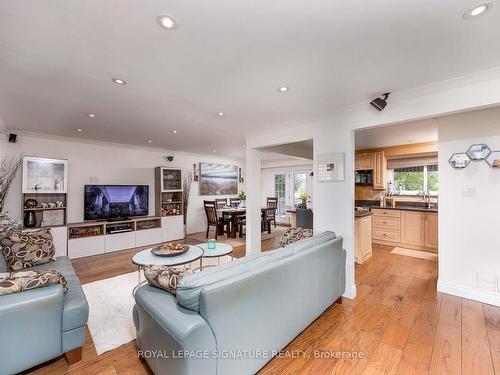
{"x":110,"y":144}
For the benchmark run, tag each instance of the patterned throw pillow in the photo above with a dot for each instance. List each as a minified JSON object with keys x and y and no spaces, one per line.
{"x":292,"y":235}
{"x":165,"y":277}
{"x":19,"y":281}
{"x":27,"y":249}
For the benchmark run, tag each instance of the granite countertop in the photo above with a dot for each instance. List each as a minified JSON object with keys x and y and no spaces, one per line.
{"x":408,"y":208}
{"x":362,"y":213}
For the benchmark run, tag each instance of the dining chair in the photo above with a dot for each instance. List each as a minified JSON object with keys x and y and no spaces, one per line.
{"x":221,"y":202}
{"x":234,"y":202}
{"x":213,"y":219}
{"x":272,"y":202}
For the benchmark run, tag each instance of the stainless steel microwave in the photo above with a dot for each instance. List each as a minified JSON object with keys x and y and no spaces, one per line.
{"x":364,"y":177}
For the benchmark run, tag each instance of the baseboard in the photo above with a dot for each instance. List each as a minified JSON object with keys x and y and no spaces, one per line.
{"x":469,"y":293}
{"x":350,"y":292}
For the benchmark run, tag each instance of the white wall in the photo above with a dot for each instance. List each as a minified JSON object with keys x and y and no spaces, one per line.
{"x":110,"y":164}
{"x":334,"y":202}
{"x":469,"y":207}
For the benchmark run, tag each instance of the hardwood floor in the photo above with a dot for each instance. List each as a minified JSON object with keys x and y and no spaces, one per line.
{"x":398,"y":324}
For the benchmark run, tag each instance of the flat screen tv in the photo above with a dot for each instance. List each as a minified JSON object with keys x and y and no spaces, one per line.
{"x":104,"y":202}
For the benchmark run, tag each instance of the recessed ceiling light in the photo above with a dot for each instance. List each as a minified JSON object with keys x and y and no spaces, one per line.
{"x":150,"y":141}
{"x":244,"y":146}
{"x":214,"y":150}
{"x":478,"y":10}
{"x":221,"y":113}
{"x":283,"y":89}
{"x":119,"y":81}
{"x":91,"y":115}
{"x":79,"y":130}
{"x":174,"y":131}
{"x":166,"y":21}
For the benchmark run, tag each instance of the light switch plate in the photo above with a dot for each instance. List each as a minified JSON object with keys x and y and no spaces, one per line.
{"x":469,"y":192}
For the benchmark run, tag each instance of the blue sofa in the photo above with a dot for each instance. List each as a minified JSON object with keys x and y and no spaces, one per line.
{"x":41,"y":324}
{"x":254,"y":305}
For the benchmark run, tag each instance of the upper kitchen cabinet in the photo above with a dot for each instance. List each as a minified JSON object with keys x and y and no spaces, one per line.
{"x":379,"y":170}
{"x":364,"y":161}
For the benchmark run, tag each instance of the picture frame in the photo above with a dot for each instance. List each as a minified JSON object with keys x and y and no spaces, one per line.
{"x":218,"y":179}
{"x":331,"y":167}
{"x":44,"y":175}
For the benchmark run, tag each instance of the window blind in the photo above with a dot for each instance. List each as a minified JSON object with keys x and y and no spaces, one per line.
{"x":412,"y":162}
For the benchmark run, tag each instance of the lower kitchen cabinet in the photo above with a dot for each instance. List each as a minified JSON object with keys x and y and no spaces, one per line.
{"x":410,"y":229}
{"x":363,"y":230}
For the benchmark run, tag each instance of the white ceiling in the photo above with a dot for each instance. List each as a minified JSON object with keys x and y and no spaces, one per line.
{"x":400,"y":134}
{"x":57,"y":58}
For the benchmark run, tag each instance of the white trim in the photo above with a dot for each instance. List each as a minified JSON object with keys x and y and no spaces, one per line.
{"x":469,"y":293}
{"x":350,"y":292}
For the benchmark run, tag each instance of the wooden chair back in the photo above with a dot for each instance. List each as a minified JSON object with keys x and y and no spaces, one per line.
{"x":273,"y":203}
{"x":221,"y":202}
{"x":234,"y":202}
{"x":211,"y":212}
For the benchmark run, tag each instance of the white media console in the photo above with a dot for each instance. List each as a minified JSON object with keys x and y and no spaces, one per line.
{"x":100,"y":237}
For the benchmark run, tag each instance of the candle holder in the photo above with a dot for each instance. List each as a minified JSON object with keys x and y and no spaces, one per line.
{"x":211,"y":244}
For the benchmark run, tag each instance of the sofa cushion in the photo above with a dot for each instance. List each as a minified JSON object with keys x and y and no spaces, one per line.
{"x":189,"y":287}
{"x":165,"y":277}
{"x":76,"y":309}
{"x":19,"y":281}
{"x":292,"y":235}
{"x":27,"y":249}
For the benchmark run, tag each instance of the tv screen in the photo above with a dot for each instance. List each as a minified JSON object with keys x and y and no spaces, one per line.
{"x":115,"y":201}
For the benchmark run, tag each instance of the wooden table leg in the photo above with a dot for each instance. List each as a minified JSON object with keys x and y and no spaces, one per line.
{"x":234,"y":225}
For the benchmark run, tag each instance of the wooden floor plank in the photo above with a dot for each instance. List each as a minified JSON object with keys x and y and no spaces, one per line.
{"x":492,"y":317}
{"x":476,"y":356}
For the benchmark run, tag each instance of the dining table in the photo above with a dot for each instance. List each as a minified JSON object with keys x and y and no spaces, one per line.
{"x":237,"y":213}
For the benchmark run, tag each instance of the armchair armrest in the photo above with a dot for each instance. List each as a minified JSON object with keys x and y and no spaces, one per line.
{"x":30,"y":320}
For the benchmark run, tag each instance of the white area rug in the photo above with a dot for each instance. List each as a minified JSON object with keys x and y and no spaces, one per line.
{"x":110,"y":308}
{"x":415,"y":253}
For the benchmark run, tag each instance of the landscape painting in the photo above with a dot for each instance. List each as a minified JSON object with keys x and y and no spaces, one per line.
{"x":218,"y":179}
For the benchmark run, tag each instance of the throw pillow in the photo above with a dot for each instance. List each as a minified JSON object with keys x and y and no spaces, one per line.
{"x":165,"y":278}
{"x":27,"y":249}
{"x":292,"y":235}
{"x":19,"y":281}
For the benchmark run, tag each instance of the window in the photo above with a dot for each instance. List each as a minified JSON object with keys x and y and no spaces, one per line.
{"x":299,"y":186}
{"x":280,"y":193}
{"x":411,"y":180}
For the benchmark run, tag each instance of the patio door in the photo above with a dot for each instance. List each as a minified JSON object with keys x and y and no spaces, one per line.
{"x":281,"y":192}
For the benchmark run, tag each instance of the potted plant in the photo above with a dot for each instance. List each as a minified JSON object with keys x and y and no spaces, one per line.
{"x":243,"y":198}
{"x":303,"y":199}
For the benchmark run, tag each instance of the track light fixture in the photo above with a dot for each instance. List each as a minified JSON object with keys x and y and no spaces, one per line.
{"x":380,"y":103}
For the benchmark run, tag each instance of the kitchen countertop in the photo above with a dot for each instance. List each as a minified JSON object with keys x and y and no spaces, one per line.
{"x":362,"y":213}
{"x":407,"y":208}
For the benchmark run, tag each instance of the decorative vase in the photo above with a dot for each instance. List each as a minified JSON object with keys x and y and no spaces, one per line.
{"x":30,"y":219}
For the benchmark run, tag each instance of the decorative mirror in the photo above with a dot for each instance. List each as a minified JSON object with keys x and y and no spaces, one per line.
{"x":459,"y":160}
{"x":478,"y":151}
{"x":493,"y":159}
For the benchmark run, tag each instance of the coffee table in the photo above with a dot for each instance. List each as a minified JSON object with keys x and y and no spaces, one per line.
{"x":221,"y":249}
{"x":147,"y":258}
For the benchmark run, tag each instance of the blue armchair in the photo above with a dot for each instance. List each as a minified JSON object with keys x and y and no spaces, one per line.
{"x":41,"y":324}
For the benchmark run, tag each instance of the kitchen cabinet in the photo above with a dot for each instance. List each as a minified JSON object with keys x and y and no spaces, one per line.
{"x":364,"y":161}
{"x":431,"y":231}
{"x":412,"y":228}
{"x":379,"y":170}
{"x":363,"y":238}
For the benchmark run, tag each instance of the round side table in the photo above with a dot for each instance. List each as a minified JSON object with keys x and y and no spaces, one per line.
{"x":221,"y":249}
